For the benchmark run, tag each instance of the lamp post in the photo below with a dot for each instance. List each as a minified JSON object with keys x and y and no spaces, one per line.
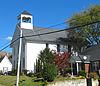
{"x":86,"y":65}
{"x":86,"y":68}
{"x":84,"y":57}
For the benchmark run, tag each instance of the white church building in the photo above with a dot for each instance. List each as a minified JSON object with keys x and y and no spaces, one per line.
{"x":33,"y":42}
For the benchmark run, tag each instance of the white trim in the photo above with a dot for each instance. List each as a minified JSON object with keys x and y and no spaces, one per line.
{"x":78,"y":61}
{"x":77,"y":68}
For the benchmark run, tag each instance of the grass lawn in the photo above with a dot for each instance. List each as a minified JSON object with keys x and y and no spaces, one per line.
{"x":24,"y":81}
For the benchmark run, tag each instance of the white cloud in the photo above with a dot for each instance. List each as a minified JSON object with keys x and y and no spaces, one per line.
{"x":9,"y":38}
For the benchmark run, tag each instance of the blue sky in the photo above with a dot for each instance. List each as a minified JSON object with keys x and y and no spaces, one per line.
{"x":46,"y":13}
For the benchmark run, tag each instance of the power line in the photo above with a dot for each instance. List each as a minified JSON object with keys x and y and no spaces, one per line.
{"x":64,"y":22}
{"x":63,"y":29}
{"x":5,"y":44}
{"x":51,"y":32}
{"x":9,"y":44}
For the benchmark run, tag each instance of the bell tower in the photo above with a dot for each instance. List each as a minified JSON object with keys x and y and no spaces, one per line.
{"x":25,"y":20}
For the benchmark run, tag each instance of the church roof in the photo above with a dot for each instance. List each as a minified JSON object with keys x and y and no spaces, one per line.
{"x":47,"y":38}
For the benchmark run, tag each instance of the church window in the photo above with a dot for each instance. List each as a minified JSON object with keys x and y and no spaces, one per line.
{"x":26,"y":19}
{"x":47,"y":45}
{"x":58,"y":47}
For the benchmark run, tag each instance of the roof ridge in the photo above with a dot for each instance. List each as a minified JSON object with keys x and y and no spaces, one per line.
{"x":26,"y":12}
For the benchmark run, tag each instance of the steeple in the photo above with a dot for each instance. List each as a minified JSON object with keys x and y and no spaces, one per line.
{"x":25,"y":20}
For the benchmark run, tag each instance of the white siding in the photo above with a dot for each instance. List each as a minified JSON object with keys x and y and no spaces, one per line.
{"x":5,"y":63}
{"x":53,"y":47}
{"x":33,"y":49}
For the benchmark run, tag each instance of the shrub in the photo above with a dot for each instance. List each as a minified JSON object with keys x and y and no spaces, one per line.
{"x":44,"y":83}
{"x":45,"y":65}
{"x":13,"y":72}
{"x":82,"y":73}
{"x":80,"y":77}
{"x":68,"y":70}
{"x":25,"y":72}
{"x":38,"y":80}
{"x":94,"y":75}
{"x":30,"y":74}
{"x":49,"y":72}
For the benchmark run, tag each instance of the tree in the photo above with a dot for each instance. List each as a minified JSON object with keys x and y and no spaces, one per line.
{"x":49,"y":72}
{"x":38,"y":68}
{"x":48,"y":67}
{"x":89,"y":34}
{"x":62,"y":61}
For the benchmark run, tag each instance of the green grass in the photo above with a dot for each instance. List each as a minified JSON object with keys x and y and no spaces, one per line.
{"x":29,"y":81}
{"x":24,"y":81}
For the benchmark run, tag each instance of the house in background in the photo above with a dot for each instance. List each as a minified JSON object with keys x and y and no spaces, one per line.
{"x":5,"y":64}
{"x":80,"y":62}
{"x":94,"y":54}
{"x":88,"y":60}
{"x":32,"y":43}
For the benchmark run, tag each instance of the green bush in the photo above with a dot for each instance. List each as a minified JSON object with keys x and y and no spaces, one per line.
{"x":68,"y":70}
{"x":38,"y":75}
{"x":44,"y":83}
{"x":45,"y":65}
{"x":30,"y":74}
{"x":13,"y":72}
{"x":82,"y":73}
{"x":38,"y":80}
{"x":49,"y":72}
{"x":25,"y":72}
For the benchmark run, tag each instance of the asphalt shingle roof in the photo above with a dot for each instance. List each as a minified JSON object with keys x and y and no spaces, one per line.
{"x":80,"y":58}
{"x":93,"y":52}
{"x":53,"y":37}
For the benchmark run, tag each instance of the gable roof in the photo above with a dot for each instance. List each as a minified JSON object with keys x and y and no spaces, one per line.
{"x":25,"y":13}
{"x":5,"y":61}
{"x":79,"y":58}
{"x":49,"y":38}
{"x":93,"y":51}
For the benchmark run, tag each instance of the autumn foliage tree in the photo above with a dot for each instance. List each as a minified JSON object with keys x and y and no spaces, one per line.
{"x":62,"y":61}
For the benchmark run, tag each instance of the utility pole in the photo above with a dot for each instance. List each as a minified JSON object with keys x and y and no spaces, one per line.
{"x":19,"y":58}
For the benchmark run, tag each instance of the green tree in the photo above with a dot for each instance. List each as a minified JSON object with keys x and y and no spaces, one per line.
{"x":38,"y":68}
{"x":89,"y":34}
{"x":49,"y":72}
{"x":47,"y":59}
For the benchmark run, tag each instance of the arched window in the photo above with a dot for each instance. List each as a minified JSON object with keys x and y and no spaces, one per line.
{"x":26,"y":19}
